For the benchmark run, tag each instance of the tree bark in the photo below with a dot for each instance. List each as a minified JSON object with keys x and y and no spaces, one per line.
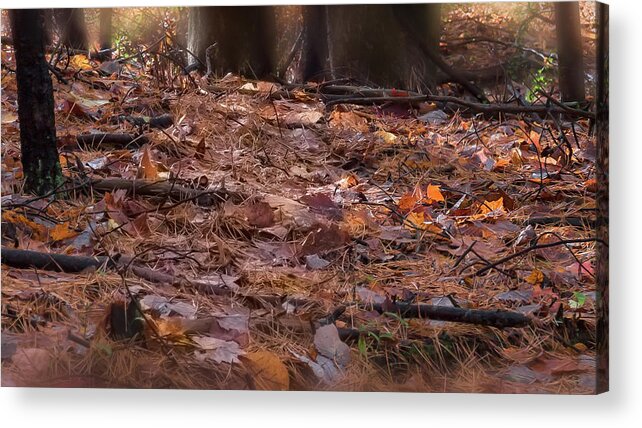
{"x":569,"y":51}
{"x":315,"y":43}
{"x":244,"y":38}
{"x":105,"y":31}
{"x":72,"y":28}
{"x":40,"y":163}
{"x":602,"y":136}
{"x":369,"y":42}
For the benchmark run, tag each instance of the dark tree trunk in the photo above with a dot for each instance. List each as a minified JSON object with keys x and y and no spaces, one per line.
{"x":602,"y":136}
{"x":244,"y":38}
{"x":370,"y":42}
{"x":40,"y":163}
{"x":72,"y":28}
{"x":315,"y":43}
{"x":569,"y":51}
{"x":105,"y":30}
{"x":48,"y":26}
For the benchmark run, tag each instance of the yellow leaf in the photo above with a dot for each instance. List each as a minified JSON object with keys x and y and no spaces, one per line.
{"x":415,"y":220}
{"x":536,"y":277}
{"x":81,"y":62}
{"x":62,"y":231}
{"x":387,"y":137}
{"x":434,"y":194}
{"x":269,"y":372}
{"x":170,"y":329}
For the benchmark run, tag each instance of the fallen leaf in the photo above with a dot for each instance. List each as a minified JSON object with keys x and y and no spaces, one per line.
{"x":62,"y":231}
{"x":328,"y":343}
{"x":268,"y":371}
{"x":535,"y":277}
{"x":147,"y":168}
{"x":434,"y":194}
{"x":387,"y":137}
{"x":32,"y":363}
{"x":217,"y":350}
{"x":80,"y":62}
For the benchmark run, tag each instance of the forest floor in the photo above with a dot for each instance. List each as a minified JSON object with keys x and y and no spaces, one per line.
{"x":299,"y":237}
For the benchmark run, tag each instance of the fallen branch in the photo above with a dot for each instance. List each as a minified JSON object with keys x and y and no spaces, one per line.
{"x":529,"y":249}
{"x":113,"y":140}
{"x":571,"y":221}
{"x":493,"y":318}
{"x":169,"y":189}
{"x":26,"y":259}
{"x":477,"y":107}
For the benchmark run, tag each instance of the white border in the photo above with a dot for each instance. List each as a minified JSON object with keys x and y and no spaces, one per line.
{"x":622,"y":406}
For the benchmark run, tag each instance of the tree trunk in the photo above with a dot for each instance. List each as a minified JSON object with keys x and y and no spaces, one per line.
{"x":569,"y":51}
{"x":602,"y":136}
{"x":40,"y":163}
{"x":315,"y":43}
{"x":105,"y":30}
{"x":72,"y":28}
{"x":370,"y":42}
{"x":243,"y":36}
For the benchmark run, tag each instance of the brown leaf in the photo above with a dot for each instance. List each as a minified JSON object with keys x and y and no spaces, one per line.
{"x":147,"y":168}
{"x":269,"y":372}
{"x":259,"y":214}
{"x":324,"y":238}
{"x":33,"y":363}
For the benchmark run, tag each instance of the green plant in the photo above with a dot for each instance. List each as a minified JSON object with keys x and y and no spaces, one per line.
{"x":542,"y":80}
{"x":578,"y":300}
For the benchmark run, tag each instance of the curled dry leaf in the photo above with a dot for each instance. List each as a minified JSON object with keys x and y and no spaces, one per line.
{"x":147,"y":168}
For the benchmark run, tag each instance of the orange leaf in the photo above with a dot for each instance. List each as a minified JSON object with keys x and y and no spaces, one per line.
{"x":62,"y":231}
{"x":534,"y":138}
{"x":147,"y":168}
{"x":434,"y":194}
{"x":591,"y":185}
{"x":407,"y":202}
{"x":493,"y":206}
{"x":39,"y":231}
{"x":536,"y":277}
